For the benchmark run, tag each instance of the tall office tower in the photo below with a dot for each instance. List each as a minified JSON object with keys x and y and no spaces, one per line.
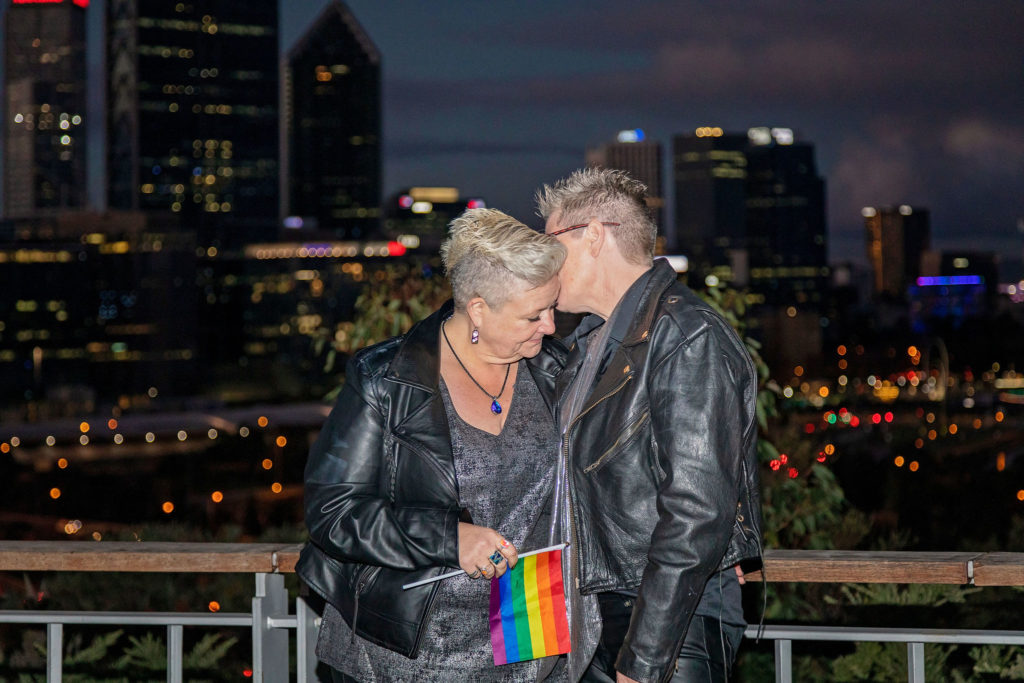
{"x":786,"y":236}
{"x":897,"y":237}
{"x":750,"y":208}
{"x":193,"y":114}
{"x":709,"y":170}
{"x":333,"y":91}
{"x":44,"y":82}
{"x":641,"y":158}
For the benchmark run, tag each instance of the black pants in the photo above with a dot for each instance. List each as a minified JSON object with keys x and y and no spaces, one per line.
{"x":706,"y":656}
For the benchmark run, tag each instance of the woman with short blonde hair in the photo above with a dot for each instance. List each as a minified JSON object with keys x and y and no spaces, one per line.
{"x":440,"y":453}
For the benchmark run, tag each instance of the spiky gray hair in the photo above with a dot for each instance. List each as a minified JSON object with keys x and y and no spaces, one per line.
{"x":607,"y":195}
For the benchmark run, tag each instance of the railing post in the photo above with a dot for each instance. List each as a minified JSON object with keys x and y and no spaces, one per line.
{"x":915,"y":662}
{"x":306,"y":627}
{"x":175,"y":645}
{"x":269,"y":644}
{"x":54,"y":653}
{"x":783,"y":661}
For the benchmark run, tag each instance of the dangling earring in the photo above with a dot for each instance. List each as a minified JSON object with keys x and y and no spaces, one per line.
{"x":474,"y":338}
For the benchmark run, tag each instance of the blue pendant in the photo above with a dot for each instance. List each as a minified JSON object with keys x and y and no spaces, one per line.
{"x":495,"y":407}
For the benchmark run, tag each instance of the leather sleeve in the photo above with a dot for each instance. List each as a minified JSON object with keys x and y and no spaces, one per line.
{"x":348,"y":514}
{"x":700,"y":400}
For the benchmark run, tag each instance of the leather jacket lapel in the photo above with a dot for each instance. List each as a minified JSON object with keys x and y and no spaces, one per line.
{"x":419,"y":419}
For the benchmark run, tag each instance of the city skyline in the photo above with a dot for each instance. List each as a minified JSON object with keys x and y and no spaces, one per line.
{"x":902,"y":107}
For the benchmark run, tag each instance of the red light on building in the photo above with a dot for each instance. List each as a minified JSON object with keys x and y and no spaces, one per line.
{"x":888,"y":417}
{"x":476,"y":204}
{"x":876,"y":418}
{"x":809,"y":428}
{"x":405,"y":201}
{"x":395,"y":248}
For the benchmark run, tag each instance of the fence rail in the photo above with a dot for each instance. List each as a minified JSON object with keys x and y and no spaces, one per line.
{"x":270,"y":620}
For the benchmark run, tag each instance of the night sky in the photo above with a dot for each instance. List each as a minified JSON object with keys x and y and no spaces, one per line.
{"x":907,"y":102}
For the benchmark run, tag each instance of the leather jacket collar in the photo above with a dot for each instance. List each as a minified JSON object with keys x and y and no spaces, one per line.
{"x":417,"y":362}
{"x":662,"y":276}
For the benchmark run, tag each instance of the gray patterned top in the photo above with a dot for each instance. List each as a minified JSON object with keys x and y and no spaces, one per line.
{"x":505,"y":482}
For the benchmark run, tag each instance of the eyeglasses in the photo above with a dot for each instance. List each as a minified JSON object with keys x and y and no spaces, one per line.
{"x":556,"y":233}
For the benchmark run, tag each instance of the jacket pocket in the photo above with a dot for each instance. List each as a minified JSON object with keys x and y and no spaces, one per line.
{"x":624,"y":437}
{"x":363,"y":579}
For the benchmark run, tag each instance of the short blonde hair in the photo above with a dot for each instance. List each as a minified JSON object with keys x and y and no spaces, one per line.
{"x":606,"y":195}
{"x":491,"y":255}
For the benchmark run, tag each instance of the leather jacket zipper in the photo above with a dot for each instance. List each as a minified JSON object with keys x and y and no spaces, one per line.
{"x":633,"y":429}
{"x":568,"y":476}
{"x":364,"y":579}
{"x":573,"y":533}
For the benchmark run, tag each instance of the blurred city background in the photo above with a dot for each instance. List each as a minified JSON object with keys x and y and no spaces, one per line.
{"x":207,"y":205}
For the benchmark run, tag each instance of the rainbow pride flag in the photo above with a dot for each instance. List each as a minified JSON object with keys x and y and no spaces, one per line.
{"x":528,"y":617}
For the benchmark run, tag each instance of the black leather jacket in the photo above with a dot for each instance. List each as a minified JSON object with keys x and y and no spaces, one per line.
{"x":381,"y":498}
{"x":664,"y":472}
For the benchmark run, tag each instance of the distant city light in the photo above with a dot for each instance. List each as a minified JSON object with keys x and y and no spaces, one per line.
{"x":633,"y":135}
{"x":293,"y":222}
{"x":946,"y":280}
{"x":476,"y":204}
{"x":783,"y":136}
{"x":906,"y":210}
{"x":421,"y":207}
{"x":679,"y":263}
{"x":868,"y":212}
{"x":760,"y":135}
{"x":709,"y":132}
{"x":406,"y":201}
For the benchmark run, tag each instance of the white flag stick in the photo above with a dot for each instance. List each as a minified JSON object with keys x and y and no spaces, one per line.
{"x":462,"y":571}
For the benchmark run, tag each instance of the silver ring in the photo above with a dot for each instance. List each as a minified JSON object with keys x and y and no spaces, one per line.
{"x":476,"y":574}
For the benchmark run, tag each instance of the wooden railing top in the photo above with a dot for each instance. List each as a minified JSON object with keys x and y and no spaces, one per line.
{"x":805,"y":566}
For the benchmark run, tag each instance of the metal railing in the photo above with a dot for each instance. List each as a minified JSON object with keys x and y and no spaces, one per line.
{"x":270,"y":621}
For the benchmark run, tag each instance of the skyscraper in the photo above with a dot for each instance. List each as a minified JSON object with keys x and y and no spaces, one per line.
{"x":786,"y":236}
{"x":897,"y":237}
{"x":44,"y":131}
{"x":333,"y":122}
{"x":641,"y":158}
{"x":750,"y":211}
{"x":709,"y":169}
{"x":193,"y":114}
